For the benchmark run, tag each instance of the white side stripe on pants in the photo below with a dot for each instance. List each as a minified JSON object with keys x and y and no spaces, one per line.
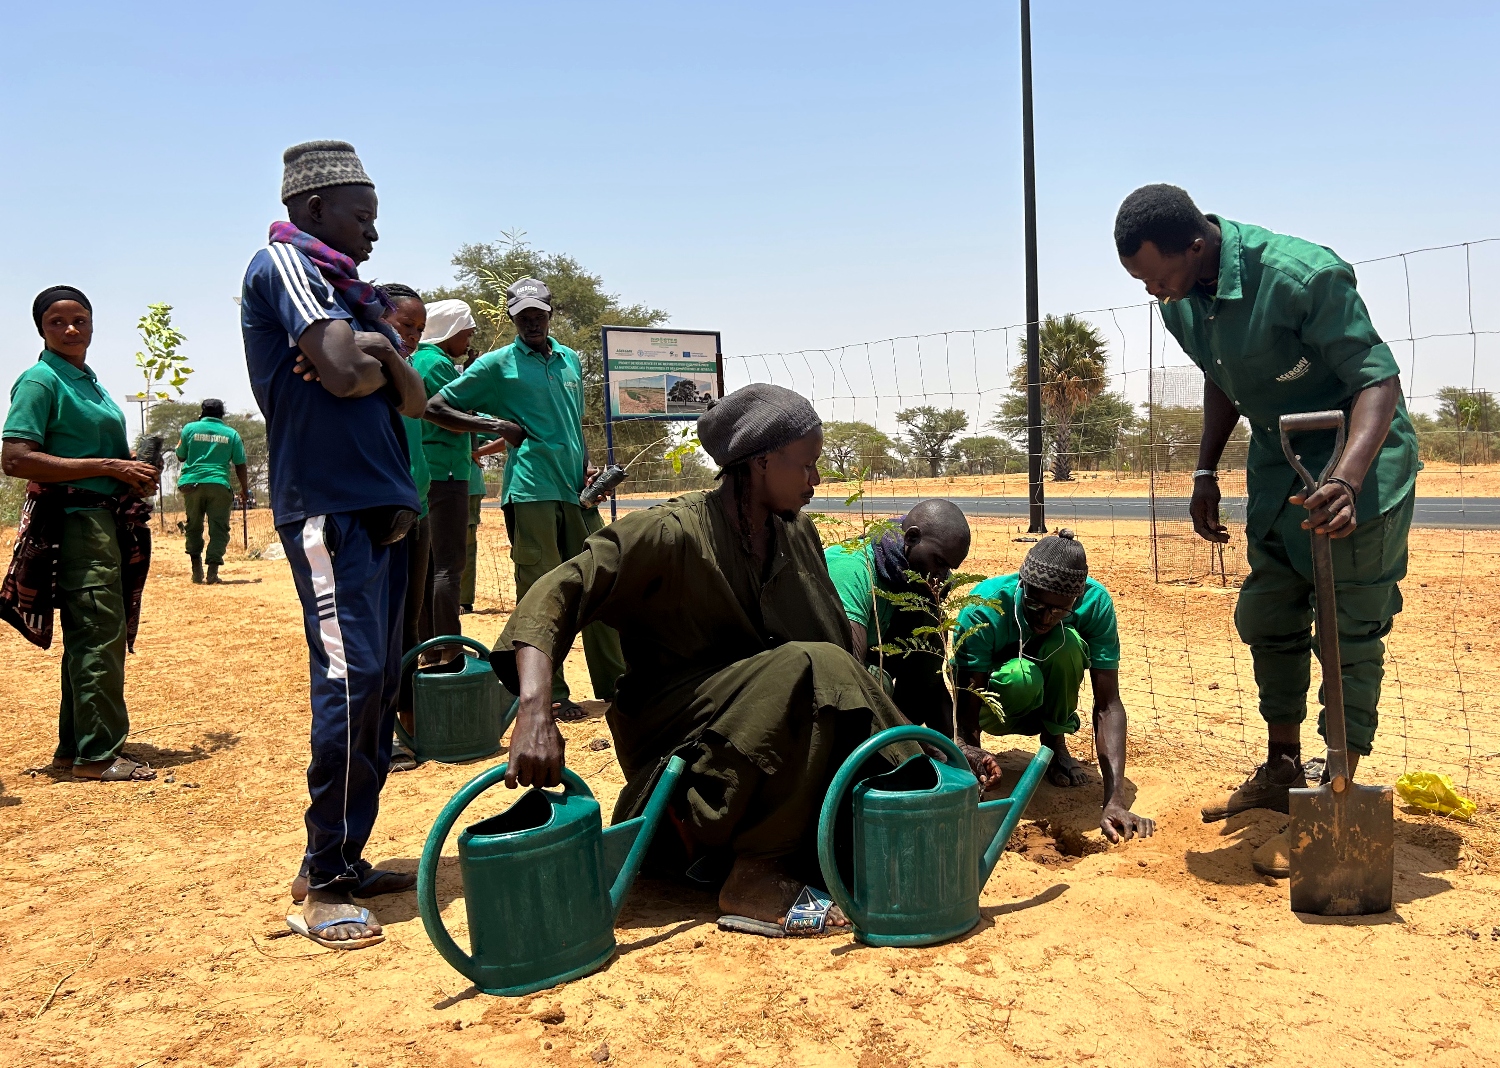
{"x":320,"y":564}
{"x":320,"y":567}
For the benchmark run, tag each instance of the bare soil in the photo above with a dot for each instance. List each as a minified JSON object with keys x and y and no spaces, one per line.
{"x":140,"y":923}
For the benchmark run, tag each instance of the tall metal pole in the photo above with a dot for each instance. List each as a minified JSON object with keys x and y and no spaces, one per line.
{"x":1033,"y":303}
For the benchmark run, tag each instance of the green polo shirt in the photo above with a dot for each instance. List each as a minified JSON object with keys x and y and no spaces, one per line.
{"x":1093,"y":617}
{"x":421,"y":474}
{"x":543,"y":392}
{"x":448,"y":453}
{"x":207,"y":449}
{"x":854,"y":577}
{"x":63,"y":409}
{"x":1286,"y":332}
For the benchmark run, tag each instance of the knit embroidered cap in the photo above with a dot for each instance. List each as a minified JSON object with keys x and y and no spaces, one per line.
{"x":1057,"y":564}
{"x":319,"y":165}
{"x":754,"y":420}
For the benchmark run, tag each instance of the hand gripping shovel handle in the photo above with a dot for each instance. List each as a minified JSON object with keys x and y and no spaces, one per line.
{"x":1327,"y":606}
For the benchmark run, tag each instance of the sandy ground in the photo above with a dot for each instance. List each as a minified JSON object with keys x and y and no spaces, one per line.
{"x":139,"y":924}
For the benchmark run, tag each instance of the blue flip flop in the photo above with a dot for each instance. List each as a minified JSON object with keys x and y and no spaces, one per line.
{"x":298,"y":924}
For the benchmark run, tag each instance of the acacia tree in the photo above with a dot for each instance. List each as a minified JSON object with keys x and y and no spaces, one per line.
{"x":580,"y":306}
{"x":1073,"y":363}
{"x":930,"y":432}
{"x":850,"y":448}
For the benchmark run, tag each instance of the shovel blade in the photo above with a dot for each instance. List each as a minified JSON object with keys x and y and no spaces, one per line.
{"x":1343,"y":856}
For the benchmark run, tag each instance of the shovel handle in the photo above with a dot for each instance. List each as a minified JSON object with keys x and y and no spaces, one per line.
{"x":1323,"y":591}
{"x":1302,"y":422}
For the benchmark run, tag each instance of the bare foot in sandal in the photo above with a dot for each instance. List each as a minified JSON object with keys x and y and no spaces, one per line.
{"x":761,"y":890}
{"x":120,"y":769}
{"x":568,"y":711}
{"x":1065,"y":772}
{"x":322,"y":906}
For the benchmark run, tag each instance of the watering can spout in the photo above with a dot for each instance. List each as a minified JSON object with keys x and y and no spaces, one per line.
{"x":625,"y":843}
{"x":998,"y":819}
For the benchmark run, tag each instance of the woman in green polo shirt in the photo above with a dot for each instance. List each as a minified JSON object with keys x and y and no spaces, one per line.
{"x":65,"y":435}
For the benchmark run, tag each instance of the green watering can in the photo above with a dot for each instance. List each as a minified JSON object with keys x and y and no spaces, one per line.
{"x":924,"y":845}
{"x":456,"y":715}
{"x":543,"y":882}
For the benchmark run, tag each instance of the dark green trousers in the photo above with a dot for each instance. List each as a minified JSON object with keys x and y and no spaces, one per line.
{"x":471,"y":558}
{"x":1275,"y":615}
{"x":92,"y":721}
{"x":542,"y":535}
{"x":211,"y":501}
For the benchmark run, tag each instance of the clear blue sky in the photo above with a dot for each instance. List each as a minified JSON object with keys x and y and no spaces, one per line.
{"x":793,"y":174}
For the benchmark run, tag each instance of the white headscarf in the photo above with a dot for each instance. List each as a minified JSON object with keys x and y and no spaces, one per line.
{"x":446,"y":318}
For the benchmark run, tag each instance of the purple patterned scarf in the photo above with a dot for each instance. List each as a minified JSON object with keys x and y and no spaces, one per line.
{"x":366,"y":301}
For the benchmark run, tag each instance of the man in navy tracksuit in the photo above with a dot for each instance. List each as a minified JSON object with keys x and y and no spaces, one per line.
{"x":332,"y":384}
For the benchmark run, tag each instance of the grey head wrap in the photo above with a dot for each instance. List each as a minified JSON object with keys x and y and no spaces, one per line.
{"x":319,"y":165}
{"x":753,"y":420}
{"x":1057,"y":564}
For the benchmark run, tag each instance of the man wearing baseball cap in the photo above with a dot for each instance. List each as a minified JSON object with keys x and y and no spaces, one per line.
{"x":537,"y":383}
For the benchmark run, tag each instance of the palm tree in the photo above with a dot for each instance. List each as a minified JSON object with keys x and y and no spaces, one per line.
{"x":1073,"y":363}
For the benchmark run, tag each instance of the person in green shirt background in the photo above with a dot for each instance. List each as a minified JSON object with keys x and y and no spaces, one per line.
{"x":445,"y":342}
{"x":536,"y":383}
{"x":208,"y":448}
{"x":933,"y":541}
{"x":1029,"y":648}
{"x":476,"y":507}
{"x":1278,"y":327}
{"x":65,"y":433}
{"x":408,"y":317}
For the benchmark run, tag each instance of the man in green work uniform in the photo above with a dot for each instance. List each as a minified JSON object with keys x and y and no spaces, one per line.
{"x":537,"y":383}
{"x":208,"y":448}
{"x":1026,"y":647}
{"x":931,"y":540}
{"x":1278,"y":327}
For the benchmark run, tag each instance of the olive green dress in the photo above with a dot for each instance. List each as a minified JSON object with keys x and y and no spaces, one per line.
{"x":745,"y":673}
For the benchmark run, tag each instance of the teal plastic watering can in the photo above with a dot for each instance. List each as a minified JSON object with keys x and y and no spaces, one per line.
{"x":456,"y":715}
{"x":924,"y":845}
{"x":543,"y":882}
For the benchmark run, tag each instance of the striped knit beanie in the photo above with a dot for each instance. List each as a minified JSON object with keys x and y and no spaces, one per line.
{"x":1057,"y":564}
{"x":319,"y":165}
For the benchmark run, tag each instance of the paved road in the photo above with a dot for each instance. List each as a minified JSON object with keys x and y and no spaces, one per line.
{"x":1452,"y":513}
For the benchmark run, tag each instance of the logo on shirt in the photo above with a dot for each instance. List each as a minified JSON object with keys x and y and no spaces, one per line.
{"x":1296,"y":372}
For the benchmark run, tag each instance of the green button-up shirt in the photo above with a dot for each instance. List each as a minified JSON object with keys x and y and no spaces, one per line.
{"x":1286,"y":332}
{"x":543,"y":392}
{"x":207,"y":449}
{"x":65,"y":411}
{"x":449,"y":455}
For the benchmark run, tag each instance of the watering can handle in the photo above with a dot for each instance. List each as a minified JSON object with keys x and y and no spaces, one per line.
{"x":843,"y":779}
{"x":410,"y":658}
{"x":427,"y":904}
{"x":450,"y":639}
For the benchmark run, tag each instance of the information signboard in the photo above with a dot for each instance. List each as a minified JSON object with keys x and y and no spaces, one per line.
{"x":660,"y":373}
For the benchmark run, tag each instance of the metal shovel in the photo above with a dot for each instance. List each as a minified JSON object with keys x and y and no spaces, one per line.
{"x":1343,"y":835}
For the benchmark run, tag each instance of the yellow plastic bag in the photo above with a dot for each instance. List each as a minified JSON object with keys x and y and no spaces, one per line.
{"x":1435,"y":793}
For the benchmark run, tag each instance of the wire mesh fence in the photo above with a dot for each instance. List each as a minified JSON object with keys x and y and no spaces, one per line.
{"x":905,"y":413}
